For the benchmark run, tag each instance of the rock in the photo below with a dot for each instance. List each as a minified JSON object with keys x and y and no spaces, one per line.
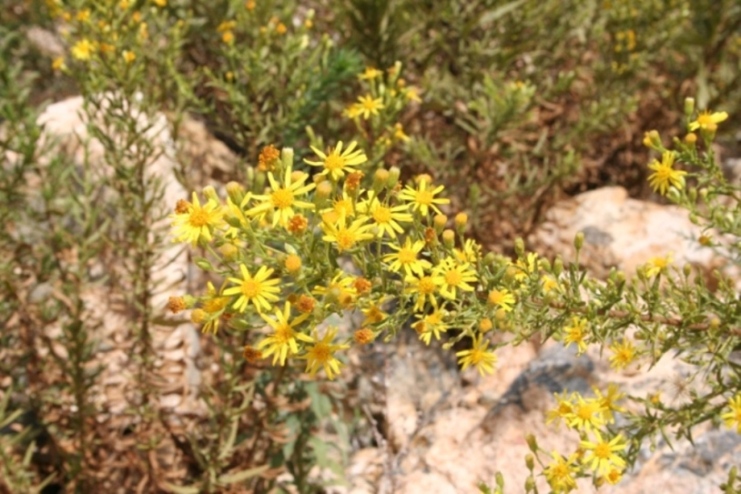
{"x":619,"y":232}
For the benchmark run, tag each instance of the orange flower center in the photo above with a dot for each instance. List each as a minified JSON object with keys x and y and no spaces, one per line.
{"x":407,"y":256}
{"x":453,"y":277}
{"x":602,"y":451}
{"x":345,"y":239}
{"x":250,"y":288}
{"x":334,"y":162}
{"x":382,"y":214}
{"x":426,"y":285}
{"x":198,"y":218}
{"x":424,"y":197}
{"x":282,"y":198}
{"x":321,"y":352}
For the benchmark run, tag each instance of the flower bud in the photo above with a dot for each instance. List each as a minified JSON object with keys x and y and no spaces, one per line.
{"x":532,"y":443}
{"x":439,"y":222}
{"x":579,"y":241}
{"x":652,"y":139}
{"x":690,"y":138}
{"x":529,"y":462}
{"x":204,"y":264}
{"x":292,"y":264}
{"x":461,"y":220}
{"x":530,"y":484}
{"x":393,"y":179}
{"x":322,"y":194}
{"x":380,"y":179}
{"x":519,"y":247}
{"x":286,"y":157}
{"x":235,"y":191}
{"x":449,"y":238}
{"x":228,"y":252}
{"x":210,"y":193}
{"x":558,"y":266}
{"x":197,"y":316}
{"x":689,"y":107}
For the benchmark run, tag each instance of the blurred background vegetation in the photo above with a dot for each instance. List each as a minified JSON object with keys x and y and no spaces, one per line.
{"x":520,"y":103}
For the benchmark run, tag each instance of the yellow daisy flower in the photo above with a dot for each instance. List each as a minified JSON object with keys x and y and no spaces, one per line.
{"x":601,"y":454}
{"x":479,"y":356}
{"x":422,"y":199}
{"x":732,"y":418}
{"x":576,"y":333}
{"x":406,"y":258}
{"x":664,"y":175}
{"x":368,"y":106}
{"x":385,"y":218}
{"x":502,"y":299}
{"x":708,"y":121}
{"x":321,"y":354}
{"x":346,"y":236}
{"x":424,"y":287}
{"x":587,"y":415}
{"x":194,"y":223}
{"x":430,"y":325}
{"x":83,"y":49}
{"x":337,"y":162}
{"x":456,"y":276}
{"x":623,"y":354}
{"x":340,"y":290}
{"x":283,"y":342}
{"x":560,"y":473}
{"x":258,"y":290}
{"x":370,"y":73}
{"x":282,"y":198}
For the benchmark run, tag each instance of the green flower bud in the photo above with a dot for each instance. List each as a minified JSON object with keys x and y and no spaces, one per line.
{"x":529,"y":462}
{"x":235,"y":191}
{"x":558,"y":266}
{"x":532,"y":443}
{"x":519,"y":247}
{"x":394,"y":173}
{"x":689,"y":107}
{"x":579,"y":241}
{"x":286,"y":157}
{"x":204,"y":264}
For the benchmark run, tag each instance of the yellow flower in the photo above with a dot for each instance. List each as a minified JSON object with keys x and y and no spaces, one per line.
{"x":664,"y":175}
{"x":370,"y":73}
{"x":587,"y":414}
{"x":321,"y":354}
{"x":399,"y":133}
{"x":560,"y":473}
{"x":732,"y":418}
{"x":456,"y":276}
{"x":58,"y":64}
{"x":283,"y":342}
{"x":213,"y":305}
{"x":424,"y":287}
{"x":194,"y":223}
{"x":160,"y":3}
{"x":708,"y":121}
{"x":128,"y":56}
{"x":430,"y":325}
{"x":282,"y":198}
{"x":576,"y":333}
{"x":525,"y":267}
{"x":613,"y":476}
{"x":623,"y":353}
{"x":470,"y":252}
{"x":601,"y":454}
{"x":479,"y":356}
{"x":344,"y":235}
{"x":563,"y":411}
{"x":340,"y":290}
{"x":422,"y":199}
{"x":608,"y":401}
{"x":406,"y":258}
{"x":373,"y":314}
{"x":83,"y":49}
{"x":337,"y":162}
{"x":259,"y":290}
{"x":657,"y":265}
{"x":368,"y":106}
{"x":501,"y":298}
{"x":385,"y":218}
{"x":412,"y":94}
